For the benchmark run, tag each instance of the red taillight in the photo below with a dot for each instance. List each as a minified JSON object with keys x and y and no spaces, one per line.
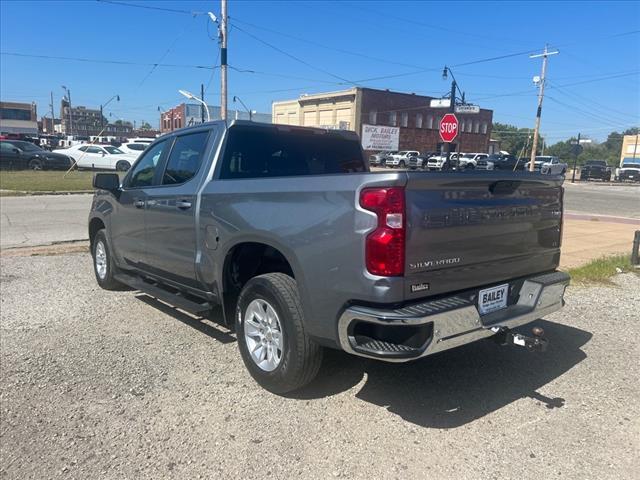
{"x":384,"y":251}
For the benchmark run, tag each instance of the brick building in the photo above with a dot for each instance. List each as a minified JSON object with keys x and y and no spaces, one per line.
{"x":189,"y":114}
{"x":418,"y":122}
{"x":18,"y":118}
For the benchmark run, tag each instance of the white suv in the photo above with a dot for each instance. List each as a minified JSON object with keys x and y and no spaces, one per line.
{"x":401,"y":159}
{"x":133,"y":147}
{"x":470,"y":160}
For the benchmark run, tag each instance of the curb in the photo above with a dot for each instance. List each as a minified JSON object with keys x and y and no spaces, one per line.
{"x":24,"y":193}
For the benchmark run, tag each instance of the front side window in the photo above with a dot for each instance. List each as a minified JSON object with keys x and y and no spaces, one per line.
{"x":97,"y":150}
{"x":143,"y":171}
{"x":113,"y":150}
{"x":185,"y":159}
{"x":137,"y":146}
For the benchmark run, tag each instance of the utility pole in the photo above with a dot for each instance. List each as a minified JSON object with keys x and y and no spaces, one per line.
{"x":223,"y":61}
{"x":202,"y":106}
{"x":536,"y":131}
{"x":53,"y":117}
{"x":452,"y":106}
{"x":576,"y":152}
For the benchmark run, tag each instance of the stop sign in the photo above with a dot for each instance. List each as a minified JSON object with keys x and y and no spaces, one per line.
{"x":449,"y":127}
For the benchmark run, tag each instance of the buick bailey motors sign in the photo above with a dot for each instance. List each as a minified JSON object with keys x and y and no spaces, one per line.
{"x":379,"y":137}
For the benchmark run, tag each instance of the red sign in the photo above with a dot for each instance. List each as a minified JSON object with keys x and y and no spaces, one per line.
{"x":448,"y":128}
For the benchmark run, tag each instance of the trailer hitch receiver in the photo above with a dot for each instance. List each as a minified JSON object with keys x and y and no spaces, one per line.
{"x":536,"y":343}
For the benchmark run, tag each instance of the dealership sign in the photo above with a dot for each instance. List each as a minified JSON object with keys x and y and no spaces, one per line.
{"x":378,"y":137}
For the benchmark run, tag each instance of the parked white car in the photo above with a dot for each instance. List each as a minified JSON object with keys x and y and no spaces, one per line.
{"x":100,"y":156}
{"x":401,"y":159}
{"x":133,"y":147}
{"x":548,"y":165}
{"x":436,"y":162}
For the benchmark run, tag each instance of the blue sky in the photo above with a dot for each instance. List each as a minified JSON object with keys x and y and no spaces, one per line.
{"x":593,"y":87}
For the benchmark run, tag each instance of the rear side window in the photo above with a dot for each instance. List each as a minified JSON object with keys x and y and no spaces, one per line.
{"x":136,"y":146}
{"x":266,"y":152}
{"x":185,"y":158}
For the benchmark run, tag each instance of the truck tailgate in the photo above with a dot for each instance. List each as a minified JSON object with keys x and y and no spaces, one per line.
{"x":474,"y":229}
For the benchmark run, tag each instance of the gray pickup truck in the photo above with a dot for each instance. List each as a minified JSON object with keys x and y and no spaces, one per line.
{"x":303,"y":248}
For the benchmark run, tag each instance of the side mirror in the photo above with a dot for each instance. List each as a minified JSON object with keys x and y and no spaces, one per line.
{"x":106,"y":181}
{"x":103,"y":154}
{"x":17,"y":151}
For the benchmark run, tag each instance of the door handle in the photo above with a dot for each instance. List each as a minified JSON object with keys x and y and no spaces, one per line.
{"x":183,"y":204}
{"x":138,"y":203}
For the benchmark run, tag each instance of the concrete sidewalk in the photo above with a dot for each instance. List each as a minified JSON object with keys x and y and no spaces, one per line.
{"x":588,"y":237}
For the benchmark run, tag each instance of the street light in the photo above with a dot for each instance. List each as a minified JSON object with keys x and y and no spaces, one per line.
{"x":68,"y":95}
{"x":117,"y":98}
{"x":191,"y":96}
{"x":251,"y":112}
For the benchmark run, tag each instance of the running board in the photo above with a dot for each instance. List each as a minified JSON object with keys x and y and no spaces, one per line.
{"x":158,"y":292}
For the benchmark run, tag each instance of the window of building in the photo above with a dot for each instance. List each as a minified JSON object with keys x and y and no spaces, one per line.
{"x":15,"y":114}
{"x":373,"y":117}
{"x":469,"y":126}
{"x":437,"y":125}
{"x":484,"y":128}
{"x":462,"y":125}
{"x":430,"y":121}
{"x":393,"y":119}
{"x":418,"y":120}
{"x":476,"y":127}
{"x":404,"y":119}
{"x":185,"y":159}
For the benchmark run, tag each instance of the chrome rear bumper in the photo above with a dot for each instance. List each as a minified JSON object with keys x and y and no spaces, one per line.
{"x":447,"y":322}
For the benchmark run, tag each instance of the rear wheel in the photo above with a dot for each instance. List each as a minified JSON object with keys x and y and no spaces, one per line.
{"x":103,"y":265}
{"x":123,"y":166}
{"x":272,"y":340}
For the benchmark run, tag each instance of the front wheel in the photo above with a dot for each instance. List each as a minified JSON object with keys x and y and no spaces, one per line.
{"x":123,"y":166}
{"x":103,"y":264}
{"x":272,"y":339}
{"x":402,"y":164}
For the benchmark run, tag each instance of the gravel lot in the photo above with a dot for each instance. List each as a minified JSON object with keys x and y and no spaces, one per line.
{"x":97,"y":384}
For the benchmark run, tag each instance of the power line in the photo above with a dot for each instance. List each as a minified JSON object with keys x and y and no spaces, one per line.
{"x":112,"y":62}
{"x":297,"y":59}
{"x":589,"y":102}
{"x":149,"y":7}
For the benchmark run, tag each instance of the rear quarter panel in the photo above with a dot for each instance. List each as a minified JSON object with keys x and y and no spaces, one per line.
{"x":315,"y":222}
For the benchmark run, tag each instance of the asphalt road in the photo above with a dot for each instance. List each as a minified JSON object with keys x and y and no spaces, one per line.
{"x":98,"y":384}
{"x":602,"y":199}
{"x":43,"y":220}
{"x":28,"y":221}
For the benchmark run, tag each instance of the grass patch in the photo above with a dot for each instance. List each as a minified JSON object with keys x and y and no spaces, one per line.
{"x":601,"y":269}
{"x":44,"y":181}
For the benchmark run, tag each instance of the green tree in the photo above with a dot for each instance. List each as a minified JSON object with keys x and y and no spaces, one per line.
{"x":145,"y":126}
{"x":514,"y":139}
{"x":608,"y":150}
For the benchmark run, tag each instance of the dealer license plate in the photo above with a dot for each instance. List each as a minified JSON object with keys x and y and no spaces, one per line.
{"x":492,"y":299}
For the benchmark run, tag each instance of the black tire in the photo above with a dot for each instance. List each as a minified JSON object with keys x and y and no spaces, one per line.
{"x":402,"y":164}
{"x":123,"y":166}
{"x":300,"y":357}
{"x":36,"y":164}
{"x":105,"y":280}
